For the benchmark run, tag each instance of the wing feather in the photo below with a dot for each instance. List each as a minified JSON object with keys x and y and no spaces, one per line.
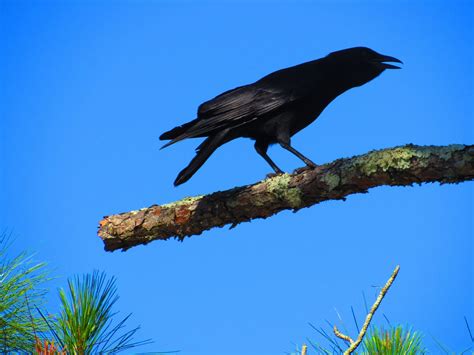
{"x":237,"y":107}
{"x":232,"y":109}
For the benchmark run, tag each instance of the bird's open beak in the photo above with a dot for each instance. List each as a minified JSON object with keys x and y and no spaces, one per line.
{"x":386,"y":58}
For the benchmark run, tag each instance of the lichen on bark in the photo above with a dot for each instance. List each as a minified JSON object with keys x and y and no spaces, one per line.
{"x":280,"y":187}
{"x":193,"y":215}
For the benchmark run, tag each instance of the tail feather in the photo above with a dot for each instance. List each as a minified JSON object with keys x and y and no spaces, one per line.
{"x":203,"y":152}
{"x":177,"y":131}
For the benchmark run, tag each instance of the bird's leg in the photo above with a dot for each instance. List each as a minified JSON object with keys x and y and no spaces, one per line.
{"x":287,"y":146}
{"x":261,"y":149}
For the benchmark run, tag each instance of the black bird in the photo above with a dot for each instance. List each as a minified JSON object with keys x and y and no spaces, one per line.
{"x":274,"y":108}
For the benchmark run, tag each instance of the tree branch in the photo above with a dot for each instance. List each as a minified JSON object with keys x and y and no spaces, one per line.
{"x":354,"y":344}
{"x":399,"y":166}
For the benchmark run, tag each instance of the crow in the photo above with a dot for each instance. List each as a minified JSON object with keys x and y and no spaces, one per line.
{"x":274,"y":108}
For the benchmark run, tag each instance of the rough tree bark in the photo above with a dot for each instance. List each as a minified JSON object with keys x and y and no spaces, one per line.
{"x":399,"y":166}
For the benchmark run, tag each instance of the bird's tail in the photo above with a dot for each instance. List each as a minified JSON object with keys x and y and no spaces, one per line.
{"x":176,"y":134}
{"x":203,"y":152}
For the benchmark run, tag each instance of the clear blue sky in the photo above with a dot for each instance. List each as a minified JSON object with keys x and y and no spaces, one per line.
{"x":88,"y":86}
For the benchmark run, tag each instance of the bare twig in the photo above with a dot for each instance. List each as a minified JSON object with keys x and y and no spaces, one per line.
{"x":304,"y":349}
{"x":342,"y":336}
{"x":399,"y":166}
{"x":355,"y":344}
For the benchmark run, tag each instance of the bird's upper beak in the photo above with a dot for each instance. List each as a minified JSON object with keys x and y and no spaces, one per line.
{"x":381,"y":59}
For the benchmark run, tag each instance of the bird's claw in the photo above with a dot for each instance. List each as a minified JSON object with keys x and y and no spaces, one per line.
{"x":271,"y":175}
{"x":304,"y":168}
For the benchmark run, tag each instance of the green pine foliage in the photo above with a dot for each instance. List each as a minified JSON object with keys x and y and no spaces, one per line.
{"x":396,"y":340}
{"x":85,"y":324}
{"x":378,"y":341}
{"x":21,"y":291}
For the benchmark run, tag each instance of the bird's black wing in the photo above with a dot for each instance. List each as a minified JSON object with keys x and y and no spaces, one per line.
{"x":239,"y":106}
{"x":232,"y":109}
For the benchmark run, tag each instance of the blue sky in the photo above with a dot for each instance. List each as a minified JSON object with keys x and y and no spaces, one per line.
{"x":88,"y":86}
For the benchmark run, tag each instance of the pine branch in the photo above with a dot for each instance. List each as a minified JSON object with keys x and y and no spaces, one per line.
{"x":354,"y":344}
{"x":399,"y":166}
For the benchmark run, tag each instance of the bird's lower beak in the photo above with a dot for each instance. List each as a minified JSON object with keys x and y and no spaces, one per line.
{"x":386,"y":58}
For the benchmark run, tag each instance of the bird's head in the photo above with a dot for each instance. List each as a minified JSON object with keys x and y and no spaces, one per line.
{"x":362,"y":64}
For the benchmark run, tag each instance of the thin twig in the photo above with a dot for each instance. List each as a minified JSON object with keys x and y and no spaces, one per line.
{"x":379,"y":299}
{"x":304,"y":348}
{"x":342,"y":336}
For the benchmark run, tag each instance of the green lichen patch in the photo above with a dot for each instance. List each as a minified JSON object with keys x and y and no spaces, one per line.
{"x":183,"y":202}
{"x":279,"y":186}
{"x":332,"y":180}
{"x":137,"y":211}
{"x":399,"y":158}
{"x":446,"y":153}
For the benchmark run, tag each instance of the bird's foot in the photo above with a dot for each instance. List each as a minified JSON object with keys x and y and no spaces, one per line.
{"x":305,"y":168}
{"x":270,"y":175}
{"x":301,"y":170}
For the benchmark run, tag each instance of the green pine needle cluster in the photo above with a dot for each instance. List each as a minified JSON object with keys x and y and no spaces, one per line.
{"x":21,"y":289}
{"x":85,"y":324}
{"x":378,"y":341}
{"x":396,"y":340}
